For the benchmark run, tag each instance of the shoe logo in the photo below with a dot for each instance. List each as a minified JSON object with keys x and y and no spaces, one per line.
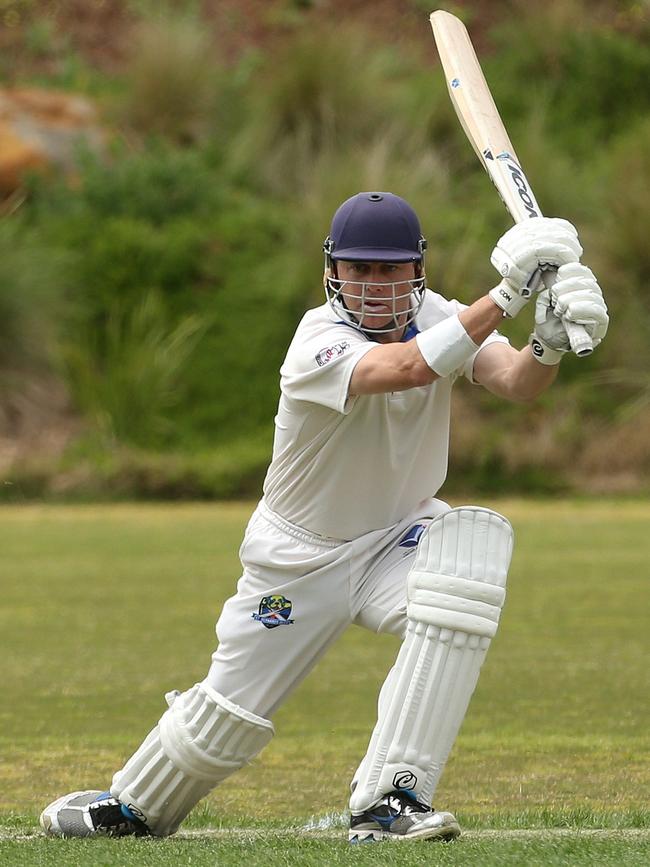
{"x":411,"y":538}
{"x":405,"y":780}
{"x":274,"y":611}
{"x":136,"y":812}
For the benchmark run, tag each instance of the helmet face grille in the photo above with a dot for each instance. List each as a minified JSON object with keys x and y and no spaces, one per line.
{"x":358,"y":305}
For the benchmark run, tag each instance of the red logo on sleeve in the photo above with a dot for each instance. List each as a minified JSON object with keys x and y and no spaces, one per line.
{"x":331,"y":352}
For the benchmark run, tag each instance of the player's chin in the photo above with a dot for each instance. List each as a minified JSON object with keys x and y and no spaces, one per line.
{"x":378,"y":318}
{"x":384,"y":322}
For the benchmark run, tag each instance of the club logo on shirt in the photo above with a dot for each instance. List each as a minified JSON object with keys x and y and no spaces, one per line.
{"x":411,"y":538}
{"x":331,"y":352}
{"x":274,"y":611}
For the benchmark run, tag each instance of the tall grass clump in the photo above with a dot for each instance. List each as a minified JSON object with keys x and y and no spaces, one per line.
{"x":126,"y":374}
{"x":320,"y":92}
{"x":622,"y":262}
{"x":31,"y":297}
{"x":331,"y":114}
{"x":590,"y":77}
{"x":173,"y":78}
{"x":165,"y":255}
{"x":624,"y":217}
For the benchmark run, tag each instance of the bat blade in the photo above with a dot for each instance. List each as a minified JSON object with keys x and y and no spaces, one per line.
{"x":479,"y":116}
{"x":466,"y":83}
{"x":481,"y":121}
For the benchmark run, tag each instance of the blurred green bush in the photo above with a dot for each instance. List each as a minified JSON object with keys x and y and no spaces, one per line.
{"x":178,"y":310}
{"x":164,"y":286}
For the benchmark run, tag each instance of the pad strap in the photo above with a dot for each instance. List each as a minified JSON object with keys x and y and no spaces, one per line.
{"x":455,"y":603}
{"x":218,"y":734}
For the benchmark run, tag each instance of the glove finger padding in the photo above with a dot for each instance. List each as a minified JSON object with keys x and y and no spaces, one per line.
{"x":575,"y":269}
{"x":549,"y":327}
{"x":550,"y":341}
{"x":537,"y":241}
{"x":577,"y":297}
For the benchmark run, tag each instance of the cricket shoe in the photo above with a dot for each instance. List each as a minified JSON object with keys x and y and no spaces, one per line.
{"x":400,"y":816}
{"x":86,"y":814}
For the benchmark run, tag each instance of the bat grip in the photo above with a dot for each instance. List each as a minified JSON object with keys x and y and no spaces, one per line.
{"x":581,"y":343}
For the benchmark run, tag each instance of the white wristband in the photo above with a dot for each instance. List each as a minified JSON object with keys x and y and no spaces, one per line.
{"x":446,"y":346}
{"x":543,"y":353}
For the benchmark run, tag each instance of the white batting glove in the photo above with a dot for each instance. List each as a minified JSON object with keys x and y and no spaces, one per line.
{"x":535,"y":243}
{"x":574,"y":297}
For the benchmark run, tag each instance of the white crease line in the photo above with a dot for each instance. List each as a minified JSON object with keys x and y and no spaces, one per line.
{"x":340,"y":834}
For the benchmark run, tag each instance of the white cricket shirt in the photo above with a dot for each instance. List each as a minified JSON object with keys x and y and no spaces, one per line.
{"x":343,"y":466}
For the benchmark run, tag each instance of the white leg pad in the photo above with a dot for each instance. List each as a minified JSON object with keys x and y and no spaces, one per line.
{"x":455,"y":592}
{"x":200,"y":740}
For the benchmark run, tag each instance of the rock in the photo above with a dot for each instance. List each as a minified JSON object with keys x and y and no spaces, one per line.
{"x":41,"y":130}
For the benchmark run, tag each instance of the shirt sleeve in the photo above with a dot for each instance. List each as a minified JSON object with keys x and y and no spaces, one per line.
{"x":319,"y":366}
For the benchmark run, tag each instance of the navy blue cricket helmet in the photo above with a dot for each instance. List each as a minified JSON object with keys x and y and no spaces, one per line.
{"x":375,"y":227}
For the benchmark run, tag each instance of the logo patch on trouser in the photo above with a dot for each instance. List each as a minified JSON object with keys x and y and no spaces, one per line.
{"x":411,"y":538}
{"x":274,"y":611}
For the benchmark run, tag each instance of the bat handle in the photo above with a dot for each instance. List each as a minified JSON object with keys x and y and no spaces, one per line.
{"x":581,"y":343}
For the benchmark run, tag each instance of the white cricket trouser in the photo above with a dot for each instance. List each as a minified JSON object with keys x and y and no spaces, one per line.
{"x":326,"y":585}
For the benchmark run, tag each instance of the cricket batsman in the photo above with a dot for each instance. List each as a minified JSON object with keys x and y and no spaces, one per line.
{"x":349,"y":530}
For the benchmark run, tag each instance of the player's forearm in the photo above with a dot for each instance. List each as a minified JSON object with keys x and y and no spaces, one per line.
{"x":530,"y":378}
{"x":481,"y":318}
{"x":523,"y":379}
{"x":437,"y":351}
{"x":390,"y":367}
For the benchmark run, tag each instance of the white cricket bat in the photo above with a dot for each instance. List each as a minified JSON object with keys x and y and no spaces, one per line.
{"x":479,"y":117}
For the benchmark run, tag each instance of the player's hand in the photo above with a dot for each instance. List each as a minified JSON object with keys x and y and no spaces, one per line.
{"x":535,"y":243}
{"x":575,"y":297}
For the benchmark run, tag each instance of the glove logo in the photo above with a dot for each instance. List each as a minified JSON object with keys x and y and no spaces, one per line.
{"x":504,"y":294}
{"x":405,"y":780}
{"x":274,"y":611}
{"x":536,"y":348}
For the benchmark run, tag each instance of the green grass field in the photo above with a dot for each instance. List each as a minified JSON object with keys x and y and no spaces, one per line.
{"x":105,"y":608}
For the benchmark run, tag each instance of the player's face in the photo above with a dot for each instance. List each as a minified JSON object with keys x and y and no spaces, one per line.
{"x":377,"y":293}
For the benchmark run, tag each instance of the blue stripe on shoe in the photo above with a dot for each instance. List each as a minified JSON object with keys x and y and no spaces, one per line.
{"x":129,"y":815}
{"x":123,"y":808}
{"x":384,"y":821}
